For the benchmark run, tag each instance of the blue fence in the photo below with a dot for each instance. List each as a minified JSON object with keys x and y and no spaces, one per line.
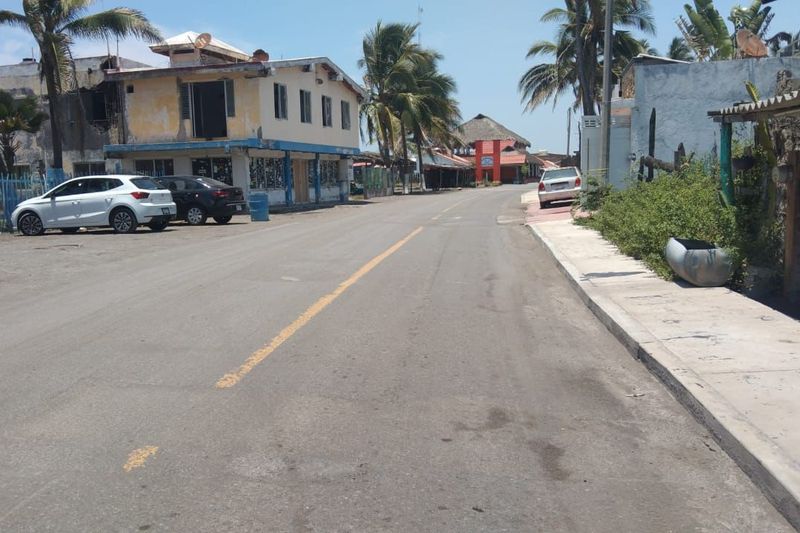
{"x":14,"y":190}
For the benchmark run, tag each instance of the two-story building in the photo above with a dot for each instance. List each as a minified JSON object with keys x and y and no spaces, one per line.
{"x":286,"y":127}
{"x":89,"y":115}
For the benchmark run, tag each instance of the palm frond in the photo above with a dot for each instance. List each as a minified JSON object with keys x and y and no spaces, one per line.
{"x":118,"y":22}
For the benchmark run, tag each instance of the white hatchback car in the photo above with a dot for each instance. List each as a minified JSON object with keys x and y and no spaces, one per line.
{"x":122,"y":202}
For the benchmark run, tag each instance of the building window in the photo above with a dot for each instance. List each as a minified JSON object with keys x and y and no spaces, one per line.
{"x":208,"y":105}
{"x":329,"y":173}
{"x":327,"y":112}
{"x":155,"y":167}
{"x":281,"y":109}
{"x":305,"y":106}
{"x":345,"y":115}
{"x":218,"y":168}
{"x":91,"y":168}
{"x":266,"y":173}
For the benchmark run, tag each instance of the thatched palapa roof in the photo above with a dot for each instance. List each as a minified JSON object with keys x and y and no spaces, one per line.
{"x":483,"y":128}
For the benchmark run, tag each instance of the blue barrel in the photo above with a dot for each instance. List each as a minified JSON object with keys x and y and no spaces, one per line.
{"x":259,"y":206}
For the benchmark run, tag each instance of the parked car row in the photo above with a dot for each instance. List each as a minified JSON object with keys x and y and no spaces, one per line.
{"x":125,"y":202}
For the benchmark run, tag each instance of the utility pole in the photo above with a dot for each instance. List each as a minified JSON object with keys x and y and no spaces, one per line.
{"x":608,"y":60}
{"x":569,"y":130}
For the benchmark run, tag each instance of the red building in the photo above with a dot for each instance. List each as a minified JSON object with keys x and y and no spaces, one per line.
{"x":500,"y":154}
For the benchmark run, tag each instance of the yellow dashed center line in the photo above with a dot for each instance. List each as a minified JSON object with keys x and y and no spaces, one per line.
{"x":232,"y":378}
{"x":138,"y":457}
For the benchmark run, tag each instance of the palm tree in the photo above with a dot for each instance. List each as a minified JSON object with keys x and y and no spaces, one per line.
{"x":407,"y":96}
{"x":705,"y":31}
{"x":792,"y":44}
{"x":389,"y":58}
{"x":54,"y":25}
{"x":578,"y":51}
{"x":429,"y":111}
{"x":678,"y":49}
{"x":755,"y":18}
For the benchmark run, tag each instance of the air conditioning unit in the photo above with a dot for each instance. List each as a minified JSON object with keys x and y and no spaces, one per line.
{"x":592,"y":121}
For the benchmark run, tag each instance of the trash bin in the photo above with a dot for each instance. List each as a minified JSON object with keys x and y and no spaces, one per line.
{"x":259,"y":206}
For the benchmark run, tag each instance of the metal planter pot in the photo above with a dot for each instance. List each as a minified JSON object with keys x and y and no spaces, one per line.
{"x":700,"y":263}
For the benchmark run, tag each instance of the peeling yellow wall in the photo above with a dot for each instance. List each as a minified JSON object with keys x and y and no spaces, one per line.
{"x":153,"y":109}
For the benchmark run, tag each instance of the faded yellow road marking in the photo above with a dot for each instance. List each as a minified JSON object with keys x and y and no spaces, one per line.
{"x":138,"y":457}
{"x":232,"y":378}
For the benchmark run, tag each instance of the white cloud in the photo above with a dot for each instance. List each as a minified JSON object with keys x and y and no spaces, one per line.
{"x":15,"y":45}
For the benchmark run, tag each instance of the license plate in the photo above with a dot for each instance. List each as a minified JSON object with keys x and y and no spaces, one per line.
{"x":559,"y":186}
{"x":238,"y":207}
{"x":165,"y":210}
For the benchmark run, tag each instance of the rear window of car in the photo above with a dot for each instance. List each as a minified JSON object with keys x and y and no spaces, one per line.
{"x":212,"y":182}
{"x":146,"y":184}
{"x":559,"y":173}
{"x":102,"y":184}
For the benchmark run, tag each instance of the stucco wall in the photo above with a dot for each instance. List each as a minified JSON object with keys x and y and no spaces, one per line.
{"x":292,"y":129}
{"x":683,"y":94}
{"x":153,"y":109}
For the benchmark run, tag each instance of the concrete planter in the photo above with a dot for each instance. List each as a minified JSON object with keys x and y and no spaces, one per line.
{"x":700,"y":263}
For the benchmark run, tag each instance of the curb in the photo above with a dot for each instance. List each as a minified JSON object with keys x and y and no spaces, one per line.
{"x":752,"y":451}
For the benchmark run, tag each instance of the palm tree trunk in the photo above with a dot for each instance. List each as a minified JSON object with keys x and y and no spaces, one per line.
{"x":420,"y":165}
{"x":52,"y":102}
{"x":385,"y":153}
{"x":582,"y":62}
{"x":406,"y":180}
{"x":7,"y":155}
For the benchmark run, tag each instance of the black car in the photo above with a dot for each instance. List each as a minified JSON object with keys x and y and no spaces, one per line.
{"x":198,"y":198}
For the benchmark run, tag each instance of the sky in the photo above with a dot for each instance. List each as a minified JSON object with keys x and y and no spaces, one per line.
{"x":484,"y":43}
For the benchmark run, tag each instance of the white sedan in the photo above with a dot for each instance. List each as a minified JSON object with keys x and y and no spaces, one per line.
{"x":559,"y":184}
{"x":122,"y":202}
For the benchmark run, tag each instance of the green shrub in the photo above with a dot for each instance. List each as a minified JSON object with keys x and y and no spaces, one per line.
{"x":591,"y":198}
{"x":641,"y":219}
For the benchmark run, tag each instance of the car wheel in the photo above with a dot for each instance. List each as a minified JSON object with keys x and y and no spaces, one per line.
{"x":69,"y":230}
{"x":196,"y":215}
{"x":158,"y":225}
{"x":123,"y":220}
{"x":222,"y":220}
{"x":544,"y":205}
{"x":30,"y":224}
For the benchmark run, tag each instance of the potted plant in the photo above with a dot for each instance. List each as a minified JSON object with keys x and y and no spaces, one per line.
{"x":701,"y":263}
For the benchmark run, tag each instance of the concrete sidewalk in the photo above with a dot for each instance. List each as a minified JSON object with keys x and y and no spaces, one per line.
{"x":734,"y":363}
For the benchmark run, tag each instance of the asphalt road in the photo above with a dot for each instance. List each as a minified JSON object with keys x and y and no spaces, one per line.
{"x":413,"y":364}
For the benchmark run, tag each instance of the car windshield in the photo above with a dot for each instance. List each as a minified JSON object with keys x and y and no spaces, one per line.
{"x":559,"y":173}
{"x":146,"y":183}
{"x":212,"y":183}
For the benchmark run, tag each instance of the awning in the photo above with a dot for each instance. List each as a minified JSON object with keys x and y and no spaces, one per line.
{"x":788,"y":103}
{"x":110,"y":150}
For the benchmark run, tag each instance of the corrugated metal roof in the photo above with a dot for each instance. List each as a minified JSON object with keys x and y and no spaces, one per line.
{"x":776,"y":103}
{"x":441,"y":160}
